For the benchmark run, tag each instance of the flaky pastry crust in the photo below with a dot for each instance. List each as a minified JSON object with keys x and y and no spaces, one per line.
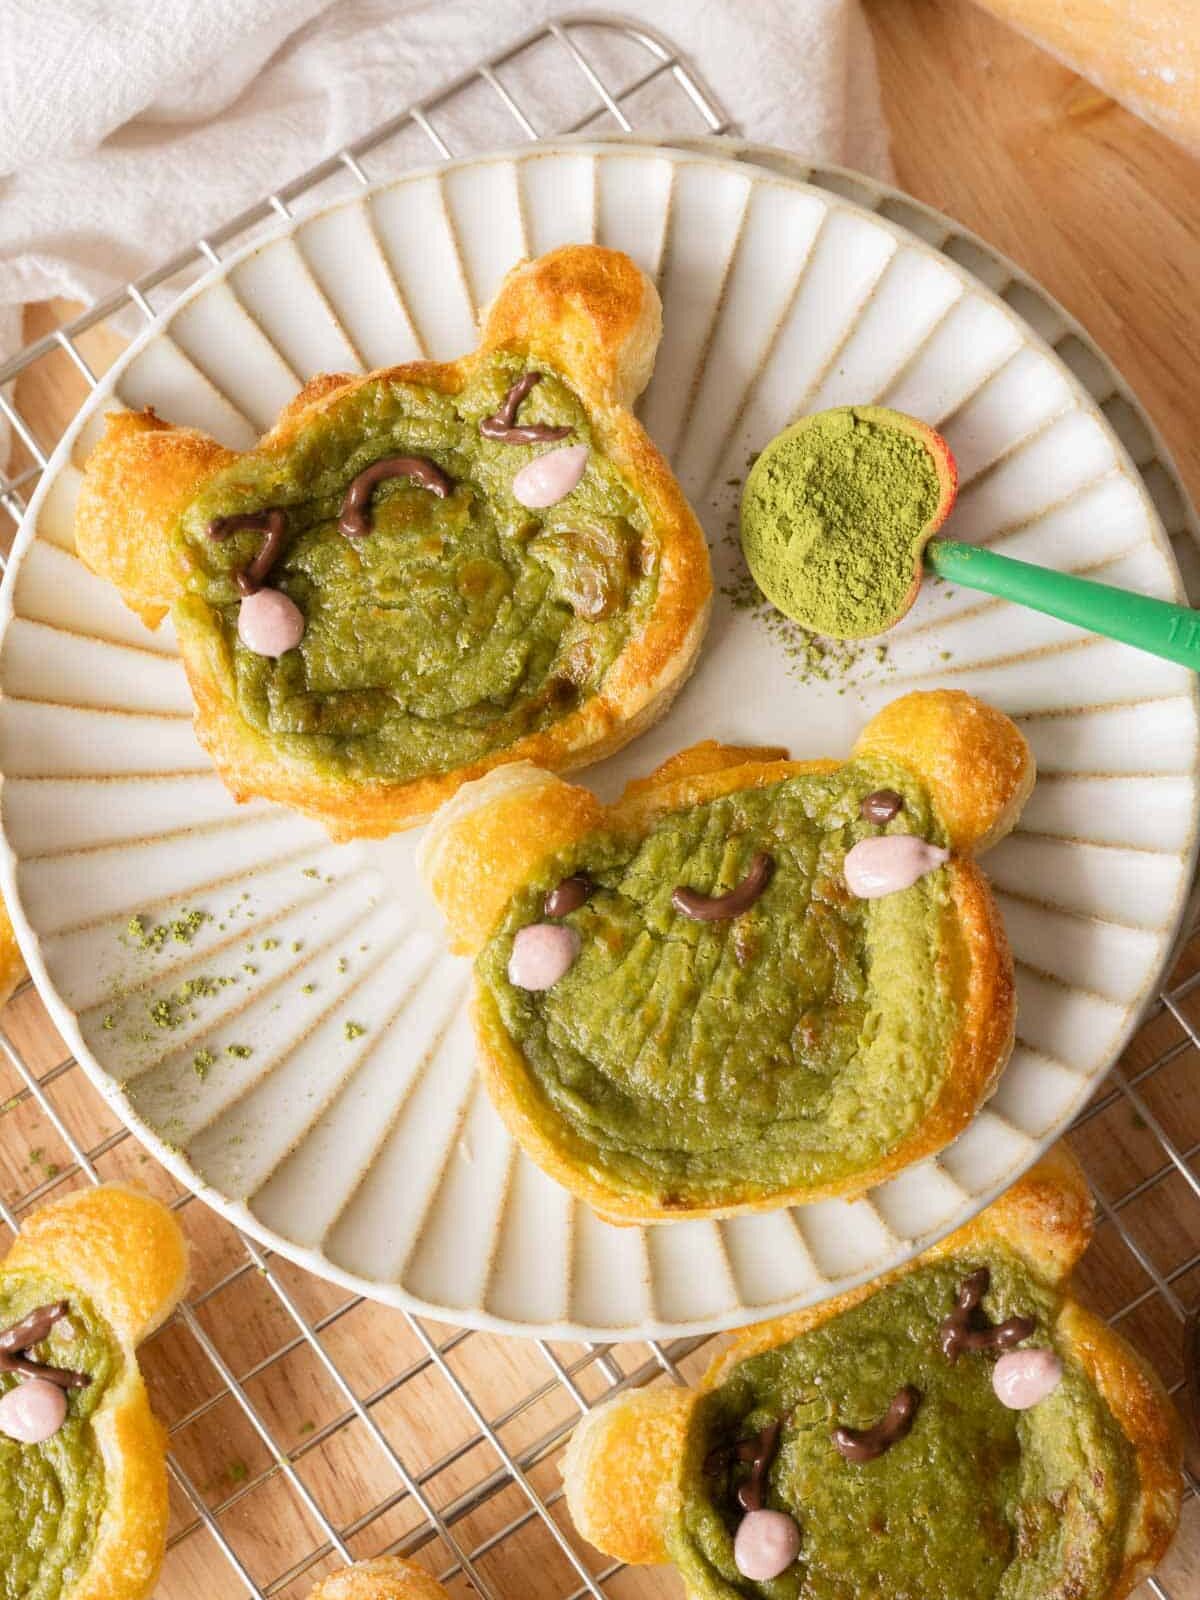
{"x":495,"y":835}
{"x":592,"y":315}
{"x":12,"y":963}
{"x":385,"y":1578}
{"x":622,"y":1463}
{"x":124,"y":1252}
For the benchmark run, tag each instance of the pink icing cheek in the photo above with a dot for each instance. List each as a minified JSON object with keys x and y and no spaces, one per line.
{"x":550,"y":478}
{"x":541,"y":954}
{"x":894,"y":861}
{"x":766,"y":1544}
{"x":269,"y":623}
{"x":33,"y":1412}
{"x":1022,"y":1378}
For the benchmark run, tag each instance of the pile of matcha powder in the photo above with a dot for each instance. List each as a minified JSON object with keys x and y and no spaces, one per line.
{"x":834,"y":515}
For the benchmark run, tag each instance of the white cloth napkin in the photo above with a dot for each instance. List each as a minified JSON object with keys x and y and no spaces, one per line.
{"x":128,"y":129}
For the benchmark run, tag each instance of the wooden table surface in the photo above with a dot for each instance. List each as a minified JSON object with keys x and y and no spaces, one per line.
{"x":1106,"y":214}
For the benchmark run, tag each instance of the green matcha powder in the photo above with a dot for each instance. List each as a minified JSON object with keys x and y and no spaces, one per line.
{"x":834,"y":515}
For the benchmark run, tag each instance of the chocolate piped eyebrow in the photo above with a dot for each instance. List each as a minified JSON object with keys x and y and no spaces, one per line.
{"x":865,"y":1444}
{"x":759,"y":1450}
{"x":502,"y":425}
{"x":272,"y":522}
{"x":353,"y":519}
{"x":31,"y":1330}
{"x":723,"y":907}
{"x":957,"y":1333}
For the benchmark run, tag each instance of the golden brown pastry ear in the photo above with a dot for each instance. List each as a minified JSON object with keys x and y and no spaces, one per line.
{"x":620,"y":1471}
{"x":970,"y":757}
{"x":386,"y":1578}
{"x":12,"y":965}
{"x":138,"y":480}
{"x":589,"y":312}
{"x":119,"y":1246}
{"x":489,"y":840}
{"x":1047,"y":1217}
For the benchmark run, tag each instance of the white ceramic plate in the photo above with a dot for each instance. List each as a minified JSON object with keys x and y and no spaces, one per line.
{"x":375,"y":1158}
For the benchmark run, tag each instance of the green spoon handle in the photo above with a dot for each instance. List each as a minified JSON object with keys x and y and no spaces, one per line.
{"x":1156,"y":626}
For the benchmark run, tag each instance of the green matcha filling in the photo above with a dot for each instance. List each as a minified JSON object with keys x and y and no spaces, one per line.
{"x":795,"y":1044}
{"x":454,"y":627}
{"x":53,"y":1493}
{"x":832,"y":517}
{"x":977,"y":1503}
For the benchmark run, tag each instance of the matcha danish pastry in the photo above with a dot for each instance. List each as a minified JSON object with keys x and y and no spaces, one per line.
{"x":83,"y":1478}
{"x":962,"y":1429}
{"x":751,"y":982}
{"x":425,"y":571}
{"x":384,"y":1578}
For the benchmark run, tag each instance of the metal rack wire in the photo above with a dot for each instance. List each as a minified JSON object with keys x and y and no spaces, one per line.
{"x":489,"y":1496}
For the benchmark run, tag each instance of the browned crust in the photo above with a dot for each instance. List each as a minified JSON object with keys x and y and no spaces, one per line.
{"x":482,"y":858}
{"x":593,"y":315}
{"x":619,"y":1471}
{"x":492,"y":836}
{"x":1046,"y":1218}
{"x":139,"y":478}
{"x":634,"y":1443}
{"x":972,"y":758}
{"x":385,"y":1578}
{"x":125,"y":1252}
{"x":1135,"y":1395}
{"x":12,"y":963}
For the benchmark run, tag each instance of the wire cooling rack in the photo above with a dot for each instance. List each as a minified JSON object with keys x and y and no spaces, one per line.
{"x":308,"y":1428}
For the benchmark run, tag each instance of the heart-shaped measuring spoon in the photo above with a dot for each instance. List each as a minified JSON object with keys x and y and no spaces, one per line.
{"x":839,"y":515}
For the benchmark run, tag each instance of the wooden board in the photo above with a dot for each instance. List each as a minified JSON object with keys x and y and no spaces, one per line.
{"x":1105,"y":213}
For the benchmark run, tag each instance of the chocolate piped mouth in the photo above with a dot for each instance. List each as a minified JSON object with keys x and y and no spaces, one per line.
{"x":866,"y":1444}
{"x":31,"y":1330}
{"x":966,"y":1329}
{"x":353,"y":521}
{"x":723,"y":907}
{"x":503,"y":426}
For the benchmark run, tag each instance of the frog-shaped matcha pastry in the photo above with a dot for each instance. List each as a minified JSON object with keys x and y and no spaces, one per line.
{"x":83,"y":1478}
{"x":426,"y":570}
{"x":961,"y":1429}
{"x":752,"y":981}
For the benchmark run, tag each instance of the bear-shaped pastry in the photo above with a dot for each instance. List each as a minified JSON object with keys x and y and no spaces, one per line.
{"x":425,"y":571}
{"x":962,"y":1428}
{"x":384,"y":1578}
{"x":752,"y":981}
{"x":83,"y":1475}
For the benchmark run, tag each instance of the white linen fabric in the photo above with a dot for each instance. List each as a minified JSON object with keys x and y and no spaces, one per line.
{"x":128,"y":129}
